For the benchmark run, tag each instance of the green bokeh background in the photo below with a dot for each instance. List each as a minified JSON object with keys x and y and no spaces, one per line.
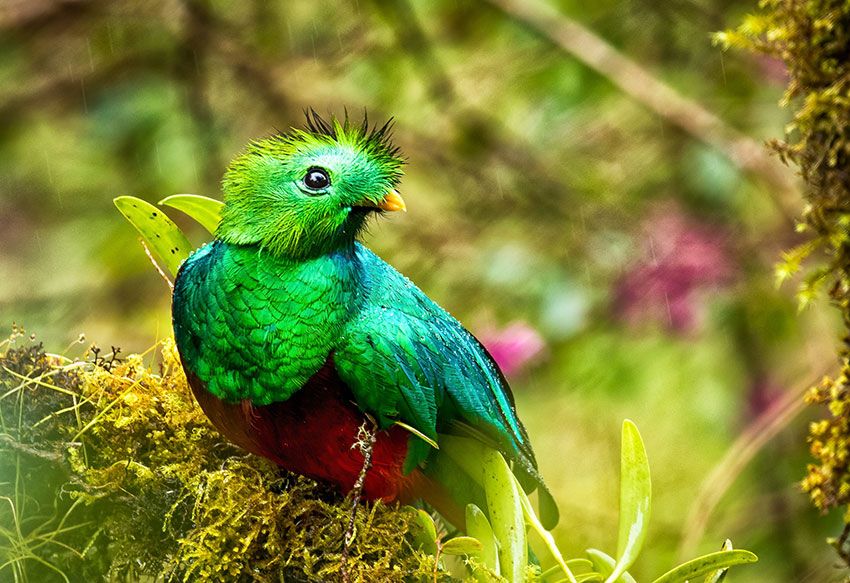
{"x":537,"y":190}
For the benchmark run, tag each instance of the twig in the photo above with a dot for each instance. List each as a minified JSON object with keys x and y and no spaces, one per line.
{"x":8,"y":442}
{"x":635,"y":81}
{"x":23,"y":14}
{"x":366,"y":442}
{"x":156,"y":265}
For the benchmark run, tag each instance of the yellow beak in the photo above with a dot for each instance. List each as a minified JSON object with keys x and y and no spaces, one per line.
{"x":392,"y":202}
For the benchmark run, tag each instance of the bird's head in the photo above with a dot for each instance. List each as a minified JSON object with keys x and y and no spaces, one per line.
{"x":309,"y":192}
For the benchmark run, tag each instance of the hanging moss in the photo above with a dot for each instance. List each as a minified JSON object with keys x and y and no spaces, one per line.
{"x":111,"y":468}
{"x":812,"y":38}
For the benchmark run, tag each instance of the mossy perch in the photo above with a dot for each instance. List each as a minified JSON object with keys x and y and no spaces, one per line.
{"x":112,"y":468}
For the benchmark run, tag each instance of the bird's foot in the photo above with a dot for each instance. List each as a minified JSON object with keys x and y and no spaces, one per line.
{"x":366,"y":437}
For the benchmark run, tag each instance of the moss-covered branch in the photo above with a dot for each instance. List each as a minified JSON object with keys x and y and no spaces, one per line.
{"x":112,"y":468}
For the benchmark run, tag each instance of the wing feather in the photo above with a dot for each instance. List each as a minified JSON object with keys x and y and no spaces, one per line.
{"x":406,"y":358}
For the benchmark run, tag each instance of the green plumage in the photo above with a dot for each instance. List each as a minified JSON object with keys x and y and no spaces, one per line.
{"x":285,"y":289}
{"x":254,"y":326}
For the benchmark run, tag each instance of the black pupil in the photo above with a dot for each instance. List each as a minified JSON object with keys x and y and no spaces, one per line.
{"x":316,"y":178}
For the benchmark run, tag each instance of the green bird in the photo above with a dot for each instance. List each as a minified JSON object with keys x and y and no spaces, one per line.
{"x":293,"y":334}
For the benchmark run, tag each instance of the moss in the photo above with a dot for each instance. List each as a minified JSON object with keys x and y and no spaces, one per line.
{"x":812,"y":39}
{"x":111,"y":468}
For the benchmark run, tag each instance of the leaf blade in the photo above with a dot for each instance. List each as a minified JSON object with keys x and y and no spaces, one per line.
{"x":506,"y":514}
{"x":635,"y":499}
{"x":479,"y":527}
{"x":205,"y":210}
{"x":165,"y":240}
{"x":487,"y":467}
{"x":604,"y":563}
{"x":424,"y":532}
{"x":462,"y":545}
{"x":535,"y":524}
{"x":706,"y":564}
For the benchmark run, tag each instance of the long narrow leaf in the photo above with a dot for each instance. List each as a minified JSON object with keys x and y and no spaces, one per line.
{"x":604,"y":563}
{"x":165,"y":240}
{"x":584,"y":578}
{"x":635,"y":497}
{"x":504,"y":507}
{"x":506,"y":514}
{"x":706,"y":564}
{"x":536,"y":526}
{"x":719,"y":575}
{"x":575,"y":565}
{"x":463,"y":545}
{"x":205,"y":210}
{"x":479,"y":527}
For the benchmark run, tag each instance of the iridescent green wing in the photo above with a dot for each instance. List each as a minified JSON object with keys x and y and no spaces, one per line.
{"x":407,"y":359}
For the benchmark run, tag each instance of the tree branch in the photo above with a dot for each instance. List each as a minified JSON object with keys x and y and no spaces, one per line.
{"x":635,"y":81}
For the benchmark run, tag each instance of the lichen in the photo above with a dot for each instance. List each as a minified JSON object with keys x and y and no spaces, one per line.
{"x":109,"y":468}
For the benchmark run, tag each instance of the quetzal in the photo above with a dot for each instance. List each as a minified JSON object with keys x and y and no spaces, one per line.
{"x":293,"y":334}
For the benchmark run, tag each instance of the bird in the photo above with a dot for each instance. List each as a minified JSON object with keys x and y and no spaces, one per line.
{"x":294,"y":336}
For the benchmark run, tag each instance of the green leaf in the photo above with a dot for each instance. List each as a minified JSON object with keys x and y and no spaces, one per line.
{"x":587,"y":577}
{"x":463,"y":545}
{"x":635,"y":497}
{"x":717,"y":576}
{"x":720,"y":574}
{"x":506,"y":514}
{"x":572,"y":564}
{"x":479,"y":527}
{"x":583,"y":578}
{"x":163,"y":238}
{"x":578,"y":565}
{"x":604,"y":563}
{"x":203,"y":209}
{"x":536,"y":526}
{"x":487,"y":467}
{"x":424,"y":532}
{"x":706,"y":564}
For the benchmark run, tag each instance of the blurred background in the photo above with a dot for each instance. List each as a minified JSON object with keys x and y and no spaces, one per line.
{"x":587,"y":192}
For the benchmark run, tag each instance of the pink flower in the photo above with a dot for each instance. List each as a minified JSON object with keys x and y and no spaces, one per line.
{"x":682,"y":260}
{"x":513,"y":347}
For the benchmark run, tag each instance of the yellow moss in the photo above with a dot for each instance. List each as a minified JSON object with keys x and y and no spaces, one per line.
{"x":138,"y":483}
{"x":811,"y":38}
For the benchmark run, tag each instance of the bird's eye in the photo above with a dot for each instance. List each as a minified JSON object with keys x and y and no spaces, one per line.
{"x":316,"y":179}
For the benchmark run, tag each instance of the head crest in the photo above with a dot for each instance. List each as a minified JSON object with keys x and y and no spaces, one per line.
{"x":375,"y":139}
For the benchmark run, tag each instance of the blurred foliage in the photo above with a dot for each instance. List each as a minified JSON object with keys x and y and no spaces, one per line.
{"x":538,"y":192}
{"x":812,"y":38}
